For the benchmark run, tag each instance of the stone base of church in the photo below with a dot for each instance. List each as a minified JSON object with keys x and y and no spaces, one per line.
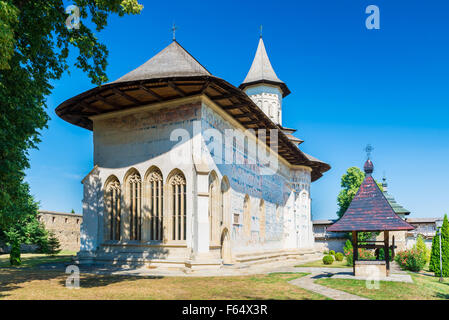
{"x":170,"y":257}
{"x":276,"y":255}
{"x":205,"y":261}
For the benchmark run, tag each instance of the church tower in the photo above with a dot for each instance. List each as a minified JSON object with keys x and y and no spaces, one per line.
{"x":264,"y":87}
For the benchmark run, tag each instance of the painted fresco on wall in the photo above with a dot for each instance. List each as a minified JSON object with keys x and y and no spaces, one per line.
{"x":246,"y":178}
{"x":132,"y":138}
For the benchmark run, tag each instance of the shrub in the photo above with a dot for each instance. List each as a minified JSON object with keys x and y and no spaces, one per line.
{"x":325,"y":252}
{"x":339,"y":256}
{"x":328,"y":259}
{"x":382,"y":254}
{"x":53,"y":245}
{"x":14,"y":255}
{"x":347,"y":249}
{"x":412,"y":260}
{"x":435,"y":254}
{"x":363,"y":255}
{"x":421,"y":247}
{"x":332,"y":252}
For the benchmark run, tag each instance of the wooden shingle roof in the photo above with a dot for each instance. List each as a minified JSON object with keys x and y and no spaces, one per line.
{"x":369,"y":210}
{"x":261,"y":71}
{"x":173,"y":74}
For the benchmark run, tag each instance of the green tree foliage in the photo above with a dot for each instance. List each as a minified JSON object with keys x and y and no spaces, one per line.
{"x":350,"y":184}
{"x":445,"y":246}
{"x":434,"y":264}
{"x":34,"y":46}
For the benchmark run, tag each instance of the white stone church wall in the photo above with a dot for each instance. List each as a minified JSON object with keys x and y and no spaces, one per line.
{"x":247,"y":179}
{"x":137,"y":140}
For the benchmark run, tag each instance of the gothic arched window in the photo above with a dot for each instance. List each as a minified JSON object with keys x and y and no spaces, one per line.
{"x":155,"y":197}
{"x":134,"y":191}
{"x":112,"y":214}
{"x":178,"y":210}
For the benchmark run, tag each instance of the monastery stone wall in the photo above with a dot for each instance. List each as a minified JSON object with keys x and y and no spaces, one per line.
{"x":65,"y":226}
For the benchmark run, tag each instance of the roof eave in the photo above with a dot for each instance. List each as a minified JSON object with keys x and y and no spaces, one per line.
{"x":282,"y":85}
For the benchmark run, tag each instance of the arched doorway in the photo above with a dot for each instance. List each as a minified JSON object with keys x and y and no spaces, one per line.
{"x":214,"y":209}
{"x":247,"y":217}
{"x":226,"y":247}
{"x":262,"y":222}
{"x":225,"y":203}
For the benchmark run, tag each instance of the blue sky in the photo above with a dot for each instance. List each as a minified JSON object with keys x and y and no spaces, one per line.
{"x":350,"y":86}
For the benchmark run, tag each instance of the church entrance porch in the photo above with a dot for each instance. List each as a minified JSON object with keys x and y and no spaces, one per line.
{"x":226,"y":248}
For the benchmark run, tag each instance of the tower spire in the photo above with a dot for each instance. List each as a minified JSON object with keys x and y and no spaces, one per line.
{"x":261,"y":70}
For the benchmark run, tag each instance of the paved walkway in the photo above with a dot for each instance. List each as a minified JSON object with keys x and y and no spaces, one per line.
{"x":307,"y":283}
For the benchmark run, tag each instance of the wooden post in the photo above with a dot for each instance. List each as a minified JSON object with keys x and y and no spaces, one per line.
{"x":387,"y":251}
{"x":355,"y":250}
{"x":392,"y":249}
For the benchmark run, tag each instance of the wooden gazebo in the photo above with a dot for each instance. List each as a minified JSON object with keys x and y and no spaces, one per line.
{"x":370,"y":211}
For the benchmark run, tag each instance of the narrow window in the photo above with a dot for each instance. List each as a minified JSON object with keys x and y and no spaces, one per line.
{"x":112,"y":221}
{"x":177,"y":187}
{"x":155,"y":198}
{"x":134,"y":192}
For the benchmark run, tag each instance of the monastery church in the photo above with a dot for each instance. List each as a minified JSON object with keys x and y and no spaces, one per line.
{"x":163,"y":192}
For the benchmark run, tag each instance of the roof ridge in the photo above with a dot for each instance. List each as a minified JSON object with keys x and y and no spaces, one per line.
{"x":172,"y":61}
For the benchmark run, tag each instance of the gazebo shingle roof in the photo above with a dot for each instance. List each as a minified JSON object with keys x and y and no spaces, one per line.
{"x":369,"y":210}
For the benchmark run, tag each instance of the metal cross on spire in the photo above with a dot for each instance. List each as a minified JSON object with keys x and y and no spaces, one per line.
{"x":368,"y":150}
{"x":173,"y":29}
{"x":261,"y":30}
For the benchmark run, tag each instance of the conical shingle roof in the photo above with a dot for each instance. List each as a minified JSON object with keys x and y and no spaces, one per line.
{"x":261,"y":70}
{"x":173,"y":61}
{"x":369,"y":210}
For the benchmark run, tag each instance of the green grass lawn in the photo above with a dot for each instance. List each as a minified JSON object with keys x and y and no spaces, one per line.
{"x":32,"y":283}
{"x":34,"y":259}
{"x":319,"y":263}
{"x":423,"y":288}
